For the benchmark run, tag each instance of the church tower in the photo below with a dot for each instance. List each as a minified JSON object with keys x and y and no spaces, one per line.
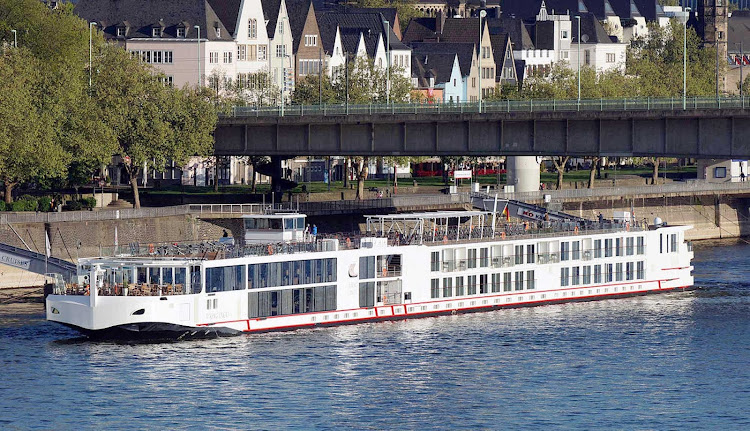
{"x":713,"y":20}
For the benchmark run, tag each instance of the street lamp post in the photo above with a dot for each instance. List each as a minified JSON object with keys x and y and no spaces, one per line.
{"x":742,"y":63}
{"x":387,"y":62}
{"x":283,"y":66}
{"x":482,"y":14}
{"x":683,"y":16}
{"x":15,"y":38}
{"x":200,"y":80}
{"x":91,"y":50}
{"x":578,"y":60}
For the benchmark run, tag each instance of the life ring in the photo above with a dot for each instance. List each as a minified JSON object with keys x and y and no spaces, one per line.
{"x":151,"y":248}
{"x":270,"y":249}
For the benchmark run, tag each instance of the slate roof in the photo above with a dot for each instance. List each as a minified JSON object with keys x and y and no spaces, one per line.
{"x":351,"y":25}
{"x":461,"y":30}
{"x":591,"y":30}
{"x":271,"y":14}
{"x":499,"y":44}
{"x":527,"y":10}
{"x":427,"y":65}
{"x":228,"y":11}
{"x":465,"y":52}
{"x":419,"y":30}
{"x":649,"y":9}
{"x":625,"y":8}
{"x":516,"y":30}
{"x":297,"y":11}
{"x":142,"y":15}
{"x":600,"y":8}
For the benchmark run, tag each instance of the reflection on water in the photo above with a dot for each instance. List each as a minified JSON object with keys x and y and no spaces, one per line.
{"x":655,"y":362}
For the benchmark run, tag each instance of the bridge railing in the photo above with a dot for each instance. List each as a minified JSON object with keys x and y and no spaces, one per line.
{"x":600,"y":105}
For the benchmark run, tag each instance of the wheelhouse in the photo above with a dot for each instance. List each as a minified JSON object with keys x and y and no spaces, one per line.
{"x":282,"y":227}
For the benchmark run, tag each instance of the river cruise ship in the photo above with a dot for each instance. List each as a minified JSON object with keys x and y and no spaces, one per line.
{"x":281,"y":277}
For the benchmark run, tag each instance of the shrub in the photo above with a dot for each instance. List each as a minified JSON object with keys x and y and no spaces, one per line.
{"x":25,"y":204}
{"x":73,"y":206}
{"x":88,"y":203}
{"x":2,"y":205}
{"x":44,"y":204}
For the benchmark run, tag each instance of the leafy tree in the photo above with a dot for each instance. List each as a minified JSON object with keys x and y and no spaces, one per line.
{"x":560,"y":162}
{"x":367,"y":83}
{"x":362,"y":170}
{"x":152,"y":124}
{"x":592,"y":170}
{"x":314,"y":90}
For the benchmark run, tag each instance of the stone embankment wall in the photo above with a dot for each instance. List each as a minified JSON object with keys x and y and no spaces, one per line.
{"x":70,"y":240}
{"x":712,"y":216}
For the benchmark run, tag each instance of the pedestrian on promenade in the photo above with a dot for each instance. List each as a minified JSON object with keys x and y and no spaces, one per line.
{"x":314,"y":232}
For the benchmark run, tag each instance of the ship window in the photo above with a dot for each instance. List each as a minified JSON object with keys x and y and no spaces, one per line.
{"x":519,"y":255}
{"x":166,"y":276}
{"x":673,"y":243}
{"x":530,"y":253}
{"x":608,"y":273}
{"x":506,"y":282}
{"x":367,"y":267}
{"x":496,"y":282}
{"x":597,"y":273}
{"x":597,"y":248}
{"x":460,"y":286}
{"x":519,"y":280}
{"x":576,"y":246}
{"x":291,"y":301}
{"x":225,"y":278}
{"x":435,"y":288}
{"x":618,"y":246}
{"x":575,"y":276}
{"x":289,"y":224}
{"x":140,"y":274}
{"x":472,"y":285}
{"x":629,"y":246}
{"x":629,"y":271}
{"x":179,"y":275}
{"x":434,"y":261}
{"x":484,"y":257}
{"x":472,"y":258}
{"x":447,"y":287}
{"x":530,"y":280}
{"x":154,"y":275}
{"x":640,"y":249}
{"x":640,"y":270}
{"x":367,"y":294}
{"x":564,"y":276}
{"x":618,"y":271}
{"x":608,"y":247}
{"x":586,"y":275}
{"x":483,"y":288}
{"x":564,"y":251}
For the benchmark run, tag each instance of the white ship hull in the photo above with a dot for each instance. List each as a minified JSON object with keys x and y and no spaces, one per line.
{"x":377,"y":281}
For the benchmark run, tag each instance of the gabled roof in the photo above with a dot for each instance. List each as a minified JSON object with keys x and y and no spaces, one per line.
{"x":438,"y":66}
{"x":649,"y":9}
{"x":142,"y":15}
{"x":465,"y":52}
{"x":527,"y":10}
{"x":271,"y":9}
{"x":499,"y":47}
{"x":515,"y":29}
{"x":591,"y":31}
{"x":327,"y":27}
{"x":625,"y":8}
{"x":369,"y":25}
{"x":600,"y":8}
{"x":461,"y":30}
{"x":297,"y":11}
{"x":419,"y":30}
{"x":228,"y":11}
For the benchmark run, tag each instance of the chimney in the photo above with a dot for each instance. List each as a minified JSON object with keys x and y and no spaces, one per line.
{"x":439,"y":22}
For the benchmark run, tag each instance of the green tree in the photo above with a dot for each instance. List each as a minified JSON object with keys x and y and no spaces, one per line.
{"x":314,"y":90}
{"x":367,"y":83}
{"x":152,"y":124}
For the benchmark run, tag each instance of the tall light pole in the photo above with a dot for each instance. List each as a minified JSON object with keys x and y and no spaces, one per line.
{"x":91,"y":50}
{"x":200,"y":77}
{"x":578,"y":18}
{"x":387,"y":62}
{"x":684,"y":16}
{"x":742,"y":63}
{"x":482,"y":14}
{"x":15,"y":38}
{"x":283,"y":66}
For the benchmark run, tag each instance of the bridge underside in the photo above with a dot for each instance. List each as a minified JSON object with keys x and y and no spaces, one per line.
{"x":717,"y":134}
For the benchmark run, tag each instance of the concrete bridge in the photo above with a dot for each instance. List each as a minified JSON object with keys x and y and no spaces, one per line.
{"x":694,"y":127}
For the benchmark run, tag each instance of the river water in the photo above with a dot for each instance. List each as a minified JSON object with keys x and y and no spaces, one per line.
{"x":657,"y":362}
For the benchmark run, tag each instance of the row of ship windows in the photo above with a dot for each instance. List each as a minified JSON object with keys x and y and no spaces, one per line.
{"x":573,"y":276}
{"x":272,"y":274}
{"x":569,"y":250}
{"x":291,"y":301}
{"x":500,"y":282}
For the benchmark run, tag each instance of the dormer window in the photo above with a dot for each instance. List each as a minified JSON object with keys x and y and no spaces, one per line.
{"x":218,"y":31}
{"x":180,"y":32}
{"x":120,"y":31}
{"x":156,"y":32}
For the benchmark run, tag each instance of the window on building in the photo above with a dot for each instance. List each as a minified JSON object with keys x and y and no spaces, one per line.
{"x":120,"y":31}
{"x":564,"y":55}
{"x":483,"y":286}
{"x":168,"y":57}
{"x":586,"y":275}
{"x":241,"y":52}
{"x":311,"y":40}
{"x":587,"y":57}
{"x":564,"y":34}
{"x":720,"y":172}
{"x":261,"y":52}
{"x":472,"y":259}
{"x":213,"y":57}
{"x":157,"y":57}
{"x":575,"y":275}
{"x":180,"y":31}
{"x":252,"y":28}
{"x":227,"y":56}
{"x":280,"y":51}
{"x":218,"y":31}
{"x":629,"y":275}
{"x":518,"y":255}
{"x":610,"y":57}
{"x":156,"y":32}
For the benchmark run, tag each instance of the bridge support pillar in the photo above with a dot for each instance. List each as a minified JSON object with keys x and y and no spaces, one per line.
{"x":523,"y":173}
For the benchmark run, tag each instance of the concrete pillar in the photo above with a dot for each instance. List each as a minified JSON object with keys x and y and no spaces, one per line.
{"x":523,"y":173}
